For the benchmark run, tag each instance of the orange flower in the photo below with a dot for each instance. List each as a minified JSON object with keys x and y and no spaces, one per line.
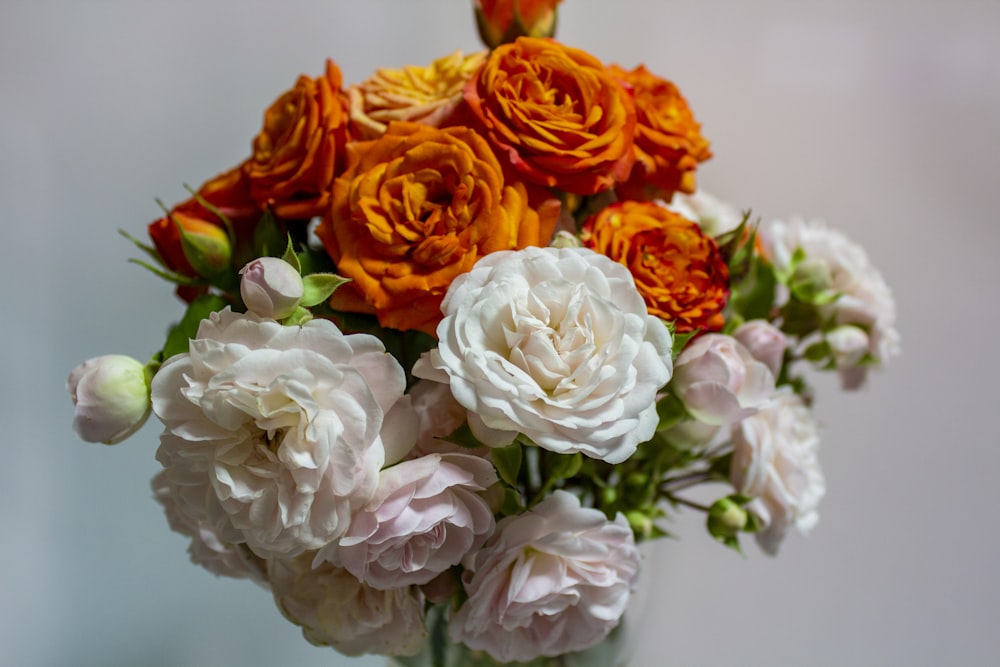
{"x":299,"y":150}
{"x":678,"y":270}
{"x":503,"y":20}
{"x":668,"y":141}
{"x":229,"y":194}
{"x":415,"y":209}
{"x":557,"y":113}
{"x":427,"y":95}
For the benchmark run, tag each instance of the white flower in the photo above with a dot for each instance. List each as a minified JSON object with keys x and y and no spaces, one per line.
{"x":553,"y":580}
{"x":274,"y":435}
{"x":842,"y":267}
{"x":110,"y":396}
{"x":554,"y":343}
{"x":719,"y":381}
{"x":714,"y":216}
{"x":775,"y":459}
{"x":764,"y":341}
{"x":207,"y":548}
{"x":271,"y":287}
{"x":335,"y":609}
{"x":425,"y":517}
{"x":439,"y":415}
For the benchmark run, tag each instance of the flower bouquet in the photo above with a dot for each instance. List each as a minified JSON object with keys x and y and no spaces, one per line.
{"x":459,"y":337}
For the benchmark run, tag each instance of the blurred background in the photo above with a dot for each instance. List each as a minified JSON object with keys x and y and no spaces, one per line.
{"x":881,"y":117}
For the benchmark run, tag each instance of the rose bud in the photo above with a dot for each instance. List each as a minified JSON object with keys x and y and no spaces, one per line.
{"x":271,"y":287}
{"x":191,"y":245}
{"x":502,"y":21}
{"x":111,"y":396}
{"x":765,"y":342}
{"x":719,"y":381}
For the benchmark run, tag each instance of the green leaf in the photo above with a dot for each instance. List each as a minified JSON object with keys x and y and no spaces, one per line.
{"x":170,"y":276}
{"x":753,"y":297}
{"x":511,"y":502}
{"x":181,"y":334}
{"x":319,"y":286}
{"x":144,"y":247}
{"x":564,"y":466}
{"x":680,"y":340}
{"x":298,"y":317}
{"x":508,"y":462}
{"x":463,"y":437}
{"x":671,"y":412}
{"x":817,"y":351}
{"x":269,"y":239}
{"x":290,"y":256}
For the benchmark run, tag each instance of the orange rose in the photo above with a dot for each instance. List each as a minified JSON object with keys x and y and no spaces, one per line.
{"x":427,"y":95}
{"x":678,"y":270}
{"x":299,"y":150}
{"x":502,"y":21}
{"x":557,"y":113}
{"x":229,"y":194}
{"x":668,"y":141}
{"x":416,"y":208}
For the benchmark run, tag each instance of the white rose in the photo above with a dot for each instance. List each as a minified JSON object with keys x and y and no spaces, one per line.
{"x":425,"y":517}
{"x":552,"y":580}
{"x":719,"y":381}
{"x":274,"y":435}
{"x":335,"y":609}
{"x":207,"y":548}
{"x":554,"y":343}
{"x":775,"y":459}
{"x":843,"y":268}
{"x":714,"y":216}
{"x":764,"y":341}
{"x":110,"y":398}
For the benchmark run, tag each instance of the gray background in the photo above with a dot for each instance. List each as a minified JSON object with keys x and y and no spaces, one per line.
{"x":881,"y":117}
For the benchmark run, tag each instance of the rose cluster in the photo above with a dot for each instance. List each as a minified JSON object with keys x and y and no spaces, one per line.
{"x":459,"y":336}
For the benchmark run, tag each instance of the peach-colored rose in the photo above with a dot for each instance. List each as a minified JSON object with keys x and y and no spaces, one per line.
{"x":679,"y":271}
{"x":427,"y":95}
{"x":557,"y":113}
{"x":668,"y":141}
{"x":299,"y":150}
{"x":416,"y":208}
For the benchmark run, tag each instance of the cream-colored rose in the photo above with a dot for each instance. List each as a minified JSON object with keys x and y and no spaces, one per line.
{"x":555,"y":343}
{"x":335,"y":609}
{"x":274,"y":435}
{"x":775,"y":459}
{"x":207,"y":548}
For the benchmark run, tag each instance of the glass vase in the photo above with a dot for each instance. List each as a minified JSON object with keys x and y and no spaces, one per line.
{"x":439,"y":651}
{"x":615,"y":650}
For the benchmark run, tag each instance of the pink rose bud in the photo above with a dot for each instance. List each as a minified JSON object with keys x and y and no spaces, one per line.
{"x":765,"y":342}
{"x":719,"y":381}
{"x":111,"y":398}
{"x":271,"y":287}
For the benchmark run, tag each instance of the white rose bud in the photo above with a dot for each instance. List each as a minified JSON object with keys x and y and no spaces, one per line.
{"x":719,"y":381}
{"x":765,"y":342}
{"x":111,"y":398}
{"x":271,"y":287}
{"x":847,"y":344}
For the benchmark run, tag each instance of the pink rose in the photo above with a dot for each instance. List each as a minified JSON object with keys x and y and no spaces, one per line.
{"x":719,"y":381}
{"x":550,"y":581}
{"x":426,"y":515}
